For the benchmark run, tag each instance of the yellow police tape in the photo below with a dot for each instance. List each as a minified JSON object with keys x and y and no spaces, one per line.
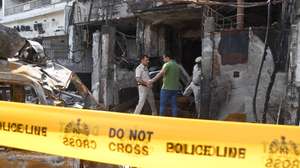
{"x":147,"y":141}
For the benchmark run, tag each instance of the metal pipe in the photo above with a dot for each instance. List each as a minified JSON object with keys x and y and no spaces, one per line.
{"x":298,"y":109}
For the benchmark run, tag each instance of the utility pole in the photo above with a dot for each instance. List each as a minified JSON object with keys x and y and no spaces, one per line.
{"x":240,"y":14}
{"x":292,"y":7}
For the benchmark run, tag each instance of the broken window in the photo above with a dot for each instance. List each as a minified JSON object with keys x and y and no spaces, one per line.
{"x":234,"y":47}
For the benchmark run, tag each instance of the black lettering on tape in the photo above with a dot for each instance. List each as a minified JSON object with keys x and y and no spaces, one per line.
{"x":44,"y":131}
{"x":37,"y":130}
{"x":232,"y":152}
{"x":72,"y":142}
{"x":145,"y":150}
{"x":132,"y":135}
{"x":150,"y":133}
{"x":93,"y":144}
{"x":295,"y":164}
{"x":129,"y":148}
{"x":269,"y":163}
{"x":23,"y":128}
{"x":13,"y":127}
{"x":178,"y":148}
{"x":286,"y":164}
{"x":140,"y":135}
{"x":119,"y":133}
{"x":29,"y":130}
{"x":277,"y":163}
{"x":281,"y":163}
{"x":187,"y":150}
{"x":199,"y":150}
{"x":20,"y":128}
{"x":65,"y":141}
{"x":222,"y":153}
{"x":86,"y":143}
{"x":112,"y":133}
{"x":206,"y":150}
{"x":79,"y":143}
{"x":137,"y":149}
{"x":120,"y":147}
{"x":112,"y":146}
{"x":170,"y":147}
{"x":242,"y":153}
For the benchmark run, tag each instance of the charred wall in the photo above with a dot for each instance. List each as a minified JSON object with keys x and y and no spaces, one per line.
{"x":235,"y":71}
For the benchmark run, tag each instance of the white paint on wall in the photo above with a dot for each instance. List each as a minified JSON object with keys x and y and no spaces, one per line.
{"x":52,"y":23}
{"x":35,"y":12}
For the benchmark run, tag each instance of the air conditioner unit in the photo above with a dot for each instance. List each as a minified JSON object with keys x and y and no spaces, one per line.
{"x":55,"y":1}
{"x":26,"y":7}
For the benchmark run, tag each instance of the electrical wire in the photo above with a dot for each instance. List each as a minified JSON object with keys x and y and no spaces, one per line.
{"x":232,"y":4}
{"x":262,"y":61}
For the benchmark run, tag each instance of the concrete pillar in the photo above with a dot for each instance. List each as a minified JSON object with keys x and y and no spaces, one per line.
{"x":116,"y":85}
{"x":75,"y":41}
{"x":151,"y":45}
{"x":140,"y":37}
{"x":240,"y":14}
{"x":96,"y":54}
{"x":297,"y":8}
{"x":178,"y":49}
{"x":292,"y":109}
{"x":295,"y":112}
{"x":294,"y":70}
{"x":297,"y":73}
{"x":72,"y":42}
{"x":147,"y":39}
{"x":162,"y":41}
{"x":207,"y":55}
{"x":107,"y":65}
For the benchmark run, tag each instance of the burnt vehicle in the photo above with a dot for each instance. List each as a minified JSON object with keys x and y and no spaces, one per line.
{"x":28,"y":76}
{"x":31,"y":77}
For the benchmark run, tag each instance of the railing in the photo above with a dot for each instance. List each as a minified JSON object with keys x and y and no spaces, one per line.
{"x":104,"y":9}
{"x":35,"y":4}
{"x":221,"y":22}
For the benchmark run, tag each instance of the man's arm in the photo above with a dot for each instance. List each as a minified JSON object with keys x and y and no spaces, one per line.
{"x":158,"y":76}
{"x":141,"y":82}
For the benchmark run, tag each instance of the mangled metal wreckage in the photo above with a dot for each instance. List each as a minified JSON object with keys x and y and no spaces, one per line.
{"x":28,"y":75}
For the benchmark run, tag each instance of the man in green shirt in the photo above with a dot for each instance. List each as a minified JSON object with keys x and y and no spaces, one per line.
{"x":170,"y":73}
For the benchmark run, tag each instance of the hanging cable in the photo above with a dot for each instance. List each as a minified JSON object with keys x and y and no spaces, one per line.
{"x":232,"y":4}
{"x":263,"y":60}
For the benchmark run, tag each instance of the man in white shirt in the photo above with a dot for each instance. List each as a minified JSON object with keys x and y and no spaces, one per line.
{"x":144,"y":87}
{"x":195,"y":85}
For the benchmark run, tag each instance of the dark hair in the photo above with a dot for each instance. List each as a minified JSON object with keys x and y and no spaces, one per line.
{"x":143,"y":56}
{"x":169,"y":56}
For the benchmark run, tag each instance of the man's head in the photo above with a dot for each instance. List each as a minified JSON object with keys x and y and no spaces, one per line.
{"x":145,"y":60}
{"x":167,"y":58}
{"x":198,"y":60}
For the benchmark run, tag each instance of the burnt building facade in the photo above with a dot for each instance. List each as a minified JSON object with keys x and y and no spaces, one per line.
{"x":243,"y":48}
